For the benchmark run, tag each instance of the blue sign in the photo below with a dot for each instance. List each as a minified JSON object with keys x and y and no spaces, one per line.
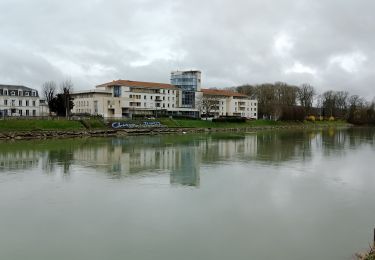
{"x":118,"y":125}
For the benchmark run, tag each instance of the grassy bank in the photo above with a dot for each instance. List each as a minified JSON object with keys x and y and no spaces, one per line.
{"x":253,"y":123}
{"x":19,"y":125}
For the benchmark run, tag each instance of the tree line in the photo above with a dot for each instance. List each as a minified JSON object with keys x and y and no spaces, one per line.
{"x":58,"y":99}
{"x":281,"y":101}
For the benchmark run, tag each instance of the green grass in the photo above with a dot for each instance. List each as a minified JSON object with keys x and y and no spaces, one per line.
{"x":38,"y":124}
{"x":94,"y":123}
{"x":210,"y":124}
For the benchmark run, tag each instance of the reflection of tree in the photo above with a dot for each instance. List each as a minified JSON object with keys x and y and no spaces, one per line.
{"x":284,"y":145}
{"x":63,"y":157}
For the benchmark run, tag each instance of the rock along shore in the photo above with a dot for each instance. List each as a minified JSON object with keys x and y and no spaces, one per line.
{"x":58,"y":134}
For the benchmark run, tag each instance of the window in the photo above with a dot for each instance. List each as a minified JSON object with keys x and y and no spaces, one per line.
{"x":26,"y":94}
{"x":12,"y":93}
{"x":34,"y":112}
{"x":13,"y":103}
{"x":116,"y":91}
{"x":27,"y":112}
{"x":20,"y":112}
{"x":27,"y":103}
{"x":20,"y":103}
{"x":5,"y":92}
{"x":34,"y":103}
{"x":5,"y":102}
{"x":144,"y":97}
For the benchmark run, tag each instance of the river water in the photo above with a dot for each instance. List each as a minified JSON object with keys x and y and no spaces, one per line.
{"x":266,"y":195}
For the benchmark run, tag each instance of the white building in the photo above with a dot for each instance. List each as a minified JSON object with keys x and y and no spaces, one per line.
{"x":228,"y":103}
{"x":18,"y":101}
{"x":125,"y":98}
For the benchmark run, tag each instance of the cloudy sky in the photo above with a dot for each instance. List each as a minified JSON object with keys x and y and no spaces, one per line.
{"x":327,"y":43}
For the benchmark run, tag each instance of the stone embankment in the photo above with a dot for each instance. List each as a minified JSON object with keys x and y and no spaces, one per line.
{"x":139,"y":131}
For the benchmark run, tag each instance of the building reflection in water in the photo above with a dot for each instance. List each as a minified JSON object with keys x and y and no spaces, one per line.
{"x":179,"y":156}
{"x":186,"y":170}
{"x":19,"y":159}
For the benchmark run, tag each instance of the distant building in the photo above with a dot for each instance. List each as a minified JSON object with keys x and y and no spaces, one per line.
{"x":189,"y":82}
{"x":229,"y":103}
{"x":126,"y":98}
{"x":18,"y":101}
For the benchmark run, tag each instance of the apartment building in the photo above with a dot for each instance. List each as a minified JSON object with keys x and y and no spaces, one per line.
{"x":126,"y":98}
{"x":228,"y":103}
{"x":18,"y":101}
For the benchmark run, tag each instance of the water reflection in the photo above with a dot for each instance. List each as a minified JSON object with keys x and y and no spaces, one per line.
{"x":179,"y":156}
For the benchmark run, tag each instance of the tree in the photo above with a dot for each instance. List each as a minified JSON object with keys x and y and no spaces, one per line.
{"x":305,"y":97}
{"x":49,"y":89}
{"x":66,"y":88}
{"x":58,"y":104}
{"x":209,"y":104}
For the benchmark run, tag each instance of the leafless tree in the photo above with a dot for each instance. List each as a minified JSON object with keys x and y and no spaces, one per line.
{"x":305,"y":96}
{"x":49,"y":92}
{"x":66,"y":89}
{"x":208,"y":104}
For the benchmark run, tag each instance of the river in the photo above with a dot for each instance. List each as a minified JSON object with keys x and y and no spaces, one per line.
{"x":293,"y":194}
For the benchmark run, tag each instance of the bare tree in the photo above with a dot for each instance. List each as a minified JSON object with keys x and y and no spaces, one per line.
{"x":66,"y":89}
{"x":305,"y":96}
{"x":209,"y":104}
{"x":49,"y":92}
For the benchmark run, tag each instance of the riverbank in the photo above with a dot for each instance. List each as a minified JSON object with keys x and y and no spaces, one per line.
{"x":45,"y":129}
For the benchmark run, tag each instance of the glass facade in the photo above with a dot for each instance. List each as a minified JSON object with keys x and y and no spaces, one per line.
{"x":189,"y":82}
{"x":117,"y":91}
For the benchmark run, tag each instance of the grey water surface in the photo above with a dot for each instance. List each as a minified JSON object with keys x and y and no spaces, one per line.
{"x":268,"y":195}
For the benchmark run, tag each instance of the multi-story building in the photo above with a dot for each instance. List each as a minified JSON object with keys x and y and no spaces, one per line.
{"x":228,"y":103}
{"x":125,"y":98}
{"x":189,"y":82}
{"x":18,"y":101}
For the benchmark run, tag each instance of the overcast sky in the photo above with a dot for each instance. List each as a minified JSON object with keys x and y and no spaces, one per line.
{"x":327,"y":43}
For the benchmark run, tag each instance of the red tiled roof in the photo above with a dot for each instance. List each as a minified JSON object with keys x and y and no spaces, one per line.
{"x":130,"y":83}
{"x":218,"y":92}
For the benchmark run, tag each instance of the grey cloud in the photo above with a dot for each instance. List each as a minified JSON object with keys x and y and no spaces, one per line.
{"x":231,"y":42}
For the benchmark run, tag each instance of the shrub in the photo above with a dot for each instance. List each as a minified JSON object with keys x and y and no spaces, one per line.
{"x":311,"y":118}
{"x":230,"y":119}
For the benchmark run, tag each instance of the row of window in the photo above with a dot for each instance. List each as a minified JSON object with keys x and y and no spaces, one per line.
{"x":138,"y":104}
{"x":19,"y":112}
{"x":84,"y":111}
{"x":5,"y":92}
{"x":151,"y":97}
{"x":20,"y":103}
{"x":82,"y":103}
{"x":243,"y":104}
